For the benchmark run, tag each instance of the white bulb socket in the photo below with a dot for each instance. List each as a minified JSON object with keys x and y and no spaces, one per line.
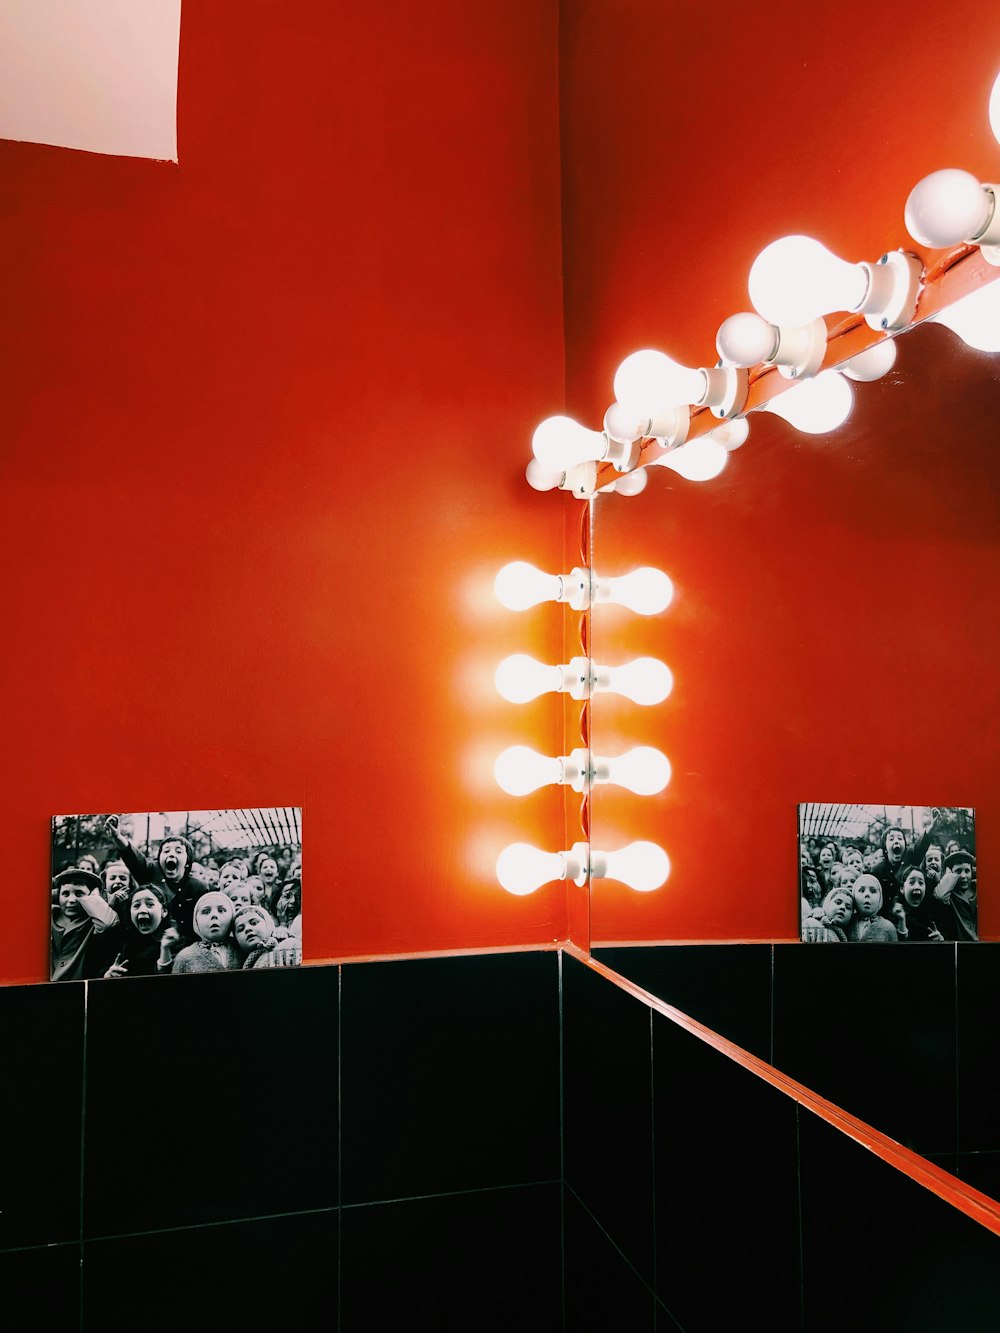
{"x":747,"y":339}
{"x":521,"y":868}
{"x":629,"y":427}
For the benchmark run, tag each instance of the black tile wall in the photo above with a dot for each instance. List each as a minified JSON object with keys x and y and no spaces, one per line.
{"x":267,"y":1275}
{"x":978,"y":1024}
{"x":880,"y":1252}
{"x":41,"y":1287}
{"x":41,"y":1055}
{"x":607,"y":1109}
{"x":210,"y":1098}
{"x":725,"y":986}
{"x":981,"y":1170}
{"x":487,"y":1260}
{"x":450,"y":1075}
{"x":603,"y":1290}
{"x":727,"y":1216}
{"x":873,"y":1030}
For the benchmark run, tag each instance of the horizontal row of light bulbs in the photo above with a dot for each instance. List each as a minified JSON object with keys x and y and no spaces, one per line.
{"x":793,"y":283}
{"x":643,"y":770}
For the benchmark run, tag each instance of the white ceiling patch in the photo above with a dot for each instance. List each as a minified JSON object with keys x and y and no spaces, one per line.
{"x":99,"y":75}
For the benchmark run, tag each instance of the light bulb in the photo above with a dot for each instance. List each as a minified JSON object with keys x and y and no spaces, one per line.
{"x":698,"y":460}
{"x":643,"y":770}
{"x":746,"y":339}
{"x":520,"y":585}
{"x":795,"y":279}
{"x":643,"y":866}
{"x":520,"y":678}
{"x":560,"y":443}
{"x":947,"y":208}
{"x":631,"y":483}
{"x":645,"y":590}
{"x":995,"y":109}
{"x":521,"y":868}
{"x":731,"y":434}
{"x":872,"y":363}
{"x":976,"y":318}
{"x":541,"y":480}
{"x":815,"y":406}
{"x":645,"y":681}
{"x":520,"y":770}
{"x":649,"y":383}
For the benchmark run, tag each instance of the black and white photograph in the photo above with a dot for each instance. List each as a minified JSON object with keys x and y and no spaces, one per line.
{"x":164,"y":893}
{"x":887,"y":874}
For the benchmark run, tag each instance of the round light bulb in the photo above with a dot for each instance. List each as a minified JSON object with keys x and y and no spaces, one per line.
{"x":815,"y":406}
{"x":560,"y":443}
{"x":520,"y":770}
{"x":522,"y":869}
{"x":731,"y":434}
{"x":624,"y":425}
{"x":645,"y":590}
{"x":643,"y":770}
{"x":539,"y":479}
{"x":649,"y":384}
{"x":520,"y":678}
{"x":946,"y":208}
{"x":976,"y":318}
{"x":796,"y":279}
{"x":643,"y":866}
{"x":647,"y":680}
{"x":746,"y":339}
{"x":995,"y":109}
{"x":520,"y":585}
{"x":631,"y":483}
{"x":872,"y":363}
{"x":698,"y":460}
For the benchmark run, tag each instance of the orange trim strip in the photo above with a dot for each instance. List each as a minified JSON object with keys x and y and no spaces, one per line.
{"x":980,"y":1207}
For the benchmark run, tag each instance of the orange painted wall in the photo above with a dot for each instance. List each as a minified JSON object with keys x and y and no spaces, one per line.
{"x":265,"y":420}
{"x":835,"y":629}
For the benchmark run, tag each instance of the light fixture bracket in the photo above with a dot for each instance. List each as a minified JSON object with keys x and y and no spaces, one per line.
{"x":726,"y":389}
{"x":988,"y":239}
{"x":800,"y":350}
{"x":891,"y":299}
{"x":580,"y":481}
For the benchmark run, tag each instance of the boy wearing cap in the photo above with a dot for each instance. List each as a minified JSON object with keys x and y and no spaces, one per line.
{"x":172,"y":868}
{"x":80,"y":917}
{"x":955,"y":908}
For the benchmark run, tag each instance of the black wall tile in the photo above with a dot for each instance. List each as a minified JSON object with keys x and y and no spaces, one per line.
{"x":603,"y":1291}
{"x":41,"y":1288}
{"x":450,"y":1074}
{"x":872,"y":1029}
{"x":607,"y":1109}
{"x":981,"y":1170}
{"x":210,"y":1097}
{"x":41,"y":1054}
{"x":727,"y":1219}
{"x":257,"y":1277}
{"x":725,"y":986}
{"x":488,"y":1260}
{"x":881,"y":1252}
{"x":978,"y":1024}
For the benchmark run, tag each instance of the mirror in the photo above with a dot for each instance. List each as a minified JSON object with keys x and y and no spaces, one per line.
{"x":832,"y":637}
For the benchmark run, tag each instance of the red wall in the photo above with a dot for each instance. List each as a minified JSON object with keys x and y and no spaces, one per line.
{"x":265,"y":420}
{"x":835,"y":629}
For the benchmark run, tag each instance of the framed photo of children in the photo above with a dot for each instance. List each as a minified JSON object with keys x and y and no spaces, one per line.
{"x":887,"y":874}
{"x":168,"y":892}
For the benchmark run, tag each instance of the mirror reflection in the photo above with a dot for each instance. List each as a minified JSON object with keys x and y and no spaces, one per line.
{"x":831,"y":638}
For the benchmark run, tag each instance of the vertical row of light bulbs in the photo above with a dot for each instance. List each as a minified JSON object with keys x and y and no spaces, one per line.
{"x":519,"y":770}
{"x":793,"y":283}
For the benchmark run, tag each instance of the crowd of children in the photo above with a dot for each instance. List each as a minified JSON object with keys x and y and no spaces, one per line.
{"x":903,"y":891}
{"x":130,"y":914}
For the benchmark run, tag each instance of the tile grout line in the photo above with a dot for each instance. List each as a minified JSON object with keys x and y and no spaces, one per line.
{"x":562,"y":1145}
{"x":958,"y":1113}
{"x":652,"y":1161}
{"x":83,"y":1133}
{"x":340,"y":1143}
{"x":798,"y":1192}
